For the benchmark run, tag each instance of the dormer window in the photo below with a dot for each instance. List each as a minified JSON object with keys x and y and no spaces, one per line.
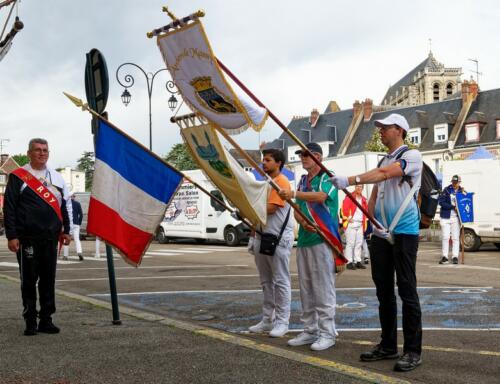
{"x":414,"y":136}
{"x":291,"y":153}
{"x":440,"y":133}
{"x":471,"y":132}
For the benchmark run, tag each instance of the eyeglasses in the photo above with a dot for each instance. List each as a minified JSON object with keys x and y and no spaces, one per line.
{"x":387,"y":127}
{"x":40,"y":150}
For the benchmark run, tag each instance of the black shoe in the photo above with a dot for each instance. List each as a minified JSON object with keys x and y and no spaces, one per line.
{"x":30,"y":328}
{"x":47,"y":326}
{"x":455,"y":260}
{"x":379,"y":353}
{"x":80,"y":257}
{"x":408,"y":362}
{"x":351,"y":266}
{"x":367,"y":261}
{"x":360,"y":266}
{"x":443,"y":260}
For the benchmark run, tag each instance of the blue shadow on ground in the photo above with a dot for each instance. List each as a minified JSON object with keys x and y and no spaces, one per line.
{"x":356,"y":308}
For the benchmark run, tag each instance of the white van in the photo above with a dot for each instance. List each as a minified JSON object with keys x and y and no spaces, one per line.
{"x":193,"y":214}
{"x":483,"y":178}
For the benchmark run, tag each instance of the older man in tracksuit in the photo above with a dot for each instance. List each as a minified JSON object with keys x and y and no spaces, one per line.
{"x":450,"y":222}
{"x":37,"y":215}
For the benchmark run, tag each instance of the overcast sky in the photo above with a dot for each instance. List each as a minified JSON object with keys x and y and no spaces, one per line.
{"x":293,"y":55}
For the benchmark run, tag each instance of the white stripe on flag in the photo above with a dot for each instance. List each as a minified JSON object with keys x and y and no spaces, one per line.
{"x":134,"y":206}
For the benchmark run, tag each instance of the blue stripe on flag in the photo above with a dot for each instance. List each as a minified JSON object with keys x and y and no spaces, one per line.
{"x":135,"y":164}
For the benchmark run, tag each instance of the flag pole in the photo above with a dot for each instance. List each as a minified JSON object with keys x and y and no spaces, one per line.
{"x":85,"y":107}
{"x":297,"y":140}
{"x":175,"y":22}
{"x":277,"y":188}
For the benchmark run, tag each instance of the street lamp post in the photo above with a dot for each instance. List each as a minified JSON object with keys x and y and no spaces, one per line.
{"x":128,"y":82}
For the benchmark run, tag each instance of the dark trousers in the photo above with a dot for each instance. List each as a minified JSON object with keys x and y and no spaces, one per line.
{"x":37,"y":262}
{"x":402,"y":258}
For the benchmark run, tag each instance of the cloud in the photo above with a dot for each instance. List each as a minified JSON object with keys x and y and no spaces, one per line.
{"x":295,"y":56}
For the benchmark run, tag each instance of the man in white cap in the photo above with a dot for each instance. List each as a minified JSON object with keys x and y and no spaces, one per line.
{"x":449,"y":220}
{"x":397,"y":177}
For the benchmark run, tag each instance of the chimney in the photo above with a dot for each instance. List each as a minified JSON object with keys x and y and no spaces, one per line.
{"x":314,"y":117}
{"x":356,"y":108}
{"x":473,"y":88}
{"x":465,"y":91}
{"x":367,"y":109}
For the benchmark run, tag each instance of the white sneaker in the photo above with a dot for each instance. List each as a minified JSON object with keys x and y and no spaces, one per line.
{"x":279,"y":330}
{"x":322,"y":343}
{"x":303,"y":338}
{"x":262,"y":326}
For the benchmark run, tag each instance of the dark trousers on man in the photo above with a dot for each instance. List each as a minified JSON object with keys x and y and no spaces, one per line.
{"x":400,"y":258}
{"x":37,"y":262}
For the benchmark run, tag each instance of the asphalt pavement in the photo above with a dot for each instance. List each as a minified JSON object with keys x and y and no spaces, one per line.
{"x":185,"y":311}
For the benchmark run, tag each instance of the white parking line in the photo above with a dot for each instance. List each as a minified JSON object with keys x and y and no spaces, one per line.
{"x":259,"y":291}
{"x":173,"y":251}
{"x":214,"y":249}
{"x":460,"y":266}
{"x":161,"y":254}
{"x":161,"y":277}
{"x":7,"y":264}
{"x":152,"y":267}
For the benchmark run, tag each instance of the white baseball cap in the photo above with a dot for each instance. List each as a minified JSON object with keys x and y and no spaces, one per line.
{"x":393,"y":119}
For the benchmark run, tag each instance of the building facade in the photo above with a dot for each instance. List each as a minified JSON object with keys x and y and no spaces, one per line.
{"x":75,"y":180}
{"x":452,"y":128}
{"x":428,"y":82}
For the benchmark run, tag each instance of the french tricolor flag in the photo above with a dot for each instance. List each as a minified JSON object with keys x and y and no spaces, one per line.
{"x":131,"y":191}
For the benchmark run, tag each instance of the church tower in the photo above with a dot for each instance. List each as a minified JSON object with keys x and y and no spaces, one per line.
{"x":428,"y":82}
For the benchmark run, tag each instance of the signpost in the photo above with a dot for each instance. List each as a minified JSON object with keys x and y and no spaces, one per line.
{"x":97,"y":90}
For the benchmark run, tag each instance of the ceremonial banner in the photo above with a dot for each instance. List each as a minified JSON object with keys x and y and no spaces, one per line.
{"x":465,"y":207}
{"x":197,"y":75}
{"x":247,"y":194}
{"x":130,"y":193}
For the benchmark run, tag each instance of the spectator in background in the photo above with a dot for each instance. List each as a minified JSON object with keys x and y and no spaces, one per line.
{"x":75,"y":228}
{"x":354,"y":223}
{"x":450,"y":222}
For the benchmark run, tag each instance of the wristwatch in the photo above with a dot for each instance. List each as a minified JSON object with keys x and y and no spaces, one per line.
{"x":357,"y":180}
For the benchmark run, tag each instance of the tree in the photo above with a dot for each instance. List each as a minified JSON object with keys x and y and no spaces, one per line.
{"x":375,"y":143}
{"x":180,"y":158}
{"x":86,"y":164}
{"x":21,"y":159}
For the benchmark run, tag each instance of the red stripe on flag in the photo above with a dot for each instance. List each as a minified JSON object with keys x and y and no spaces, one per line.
{"x":109,"y":226}
{"x":340,"y":259}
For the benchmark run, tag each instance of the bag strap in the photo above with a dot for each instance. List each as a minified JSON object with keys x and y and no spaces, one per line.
{"x":403,"y":206}
{"x":284,"y":224}
{"x":405,"y":203}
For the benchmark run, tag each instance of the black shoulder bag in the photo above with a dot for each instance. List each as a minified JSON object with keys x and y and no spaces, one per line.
{"x":269,"y":242}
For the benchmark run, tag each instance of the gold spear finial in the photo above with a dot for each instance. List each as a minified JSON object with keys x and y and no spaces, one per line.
{"x":78,"y":102}
{"x":172,"y":16}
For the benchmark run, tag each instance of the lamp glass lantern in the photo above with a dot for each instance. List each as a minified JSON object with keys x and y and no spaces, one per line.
{"x":172,"y":102}
{"x":126,"y":96}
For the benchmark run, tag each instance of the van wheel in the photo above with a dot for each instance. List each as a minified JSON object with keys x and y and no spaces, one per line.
{"x":471,"y":241}
{"x":231,"y":237}
{"x":162,"y":239}
{"x":497,"y":245}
